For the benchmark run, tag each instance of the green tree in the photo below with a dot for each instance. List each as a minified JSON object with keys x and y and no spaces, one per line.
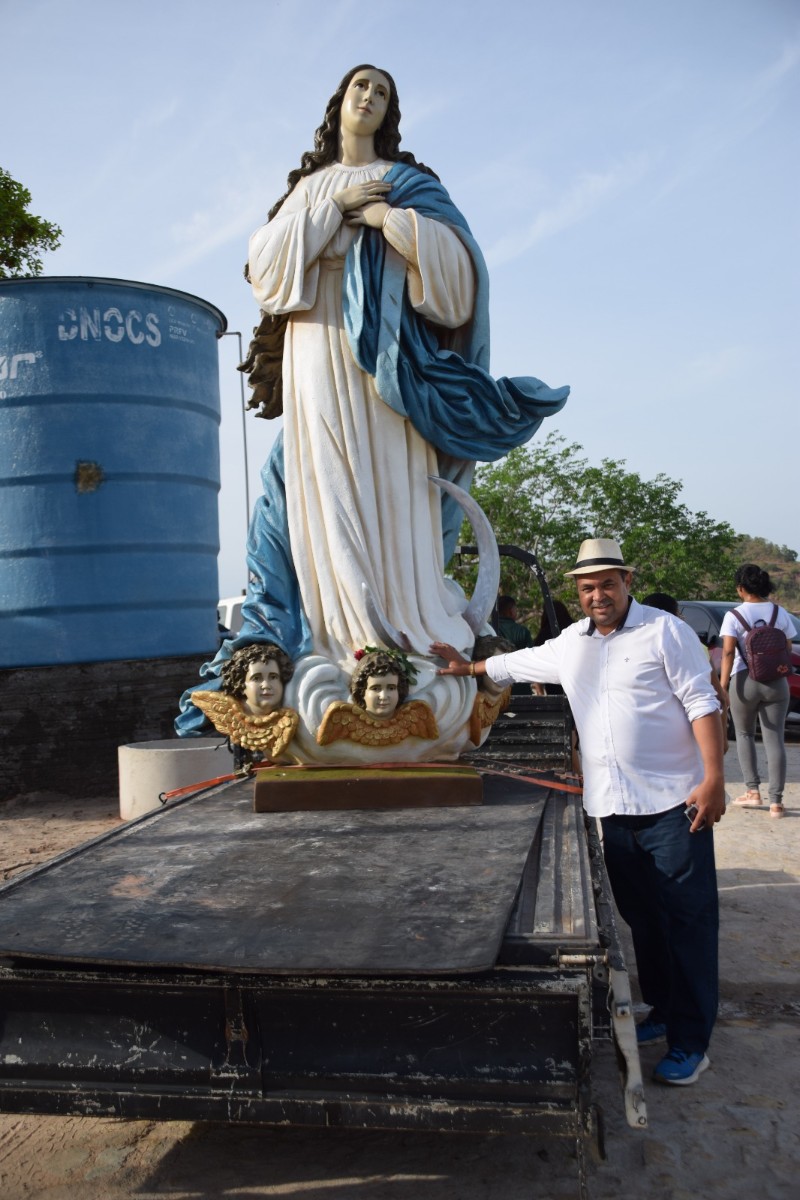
{"x":23,"y":237}
{"x":528,"y":498}
{"x":674,"y":549}
{"x":545,"y":497}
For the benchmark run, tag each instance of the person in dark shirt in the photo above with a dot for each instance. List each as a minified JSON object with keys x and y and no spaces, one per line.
{"x":509,"y":627}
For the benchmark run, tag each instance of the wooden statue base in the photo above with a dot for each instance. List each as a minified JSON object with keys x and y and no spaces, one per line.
{"x":295,"y":789}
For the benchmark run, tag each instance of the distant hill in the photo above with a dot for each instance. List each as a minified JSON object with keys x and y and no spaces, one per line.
{"x":779,"y":561}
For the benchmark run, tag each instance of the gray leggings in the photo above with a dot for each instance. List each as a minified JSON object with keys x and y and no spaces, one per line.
{"x":770,"y":702}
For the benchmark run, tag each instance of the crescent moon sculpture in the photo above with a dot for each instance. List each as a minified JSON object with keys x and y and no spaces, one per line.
{"x":483,"y":598}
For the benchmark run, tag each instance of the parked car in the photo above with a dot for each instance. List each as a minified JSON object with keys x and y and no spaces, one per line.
{"x":705,"y":618}
{"x":229,"y":616}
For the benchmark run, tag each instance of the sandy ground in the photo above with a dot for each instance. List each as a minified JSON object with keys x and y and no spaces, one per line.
{"x":733,"y":1135}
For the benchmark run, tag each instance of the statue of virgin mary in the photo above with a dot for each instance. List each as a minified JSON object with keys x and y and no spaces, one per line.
{"x":370,"y":278}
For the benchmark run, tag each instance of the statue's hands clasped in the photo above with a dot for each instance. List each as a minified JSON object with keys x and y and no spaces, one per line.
{"x":363,"y":203}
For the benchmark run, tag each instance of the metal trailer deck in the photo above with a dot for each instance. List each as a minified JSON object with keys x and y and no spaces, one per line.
{"x":421,"y":969}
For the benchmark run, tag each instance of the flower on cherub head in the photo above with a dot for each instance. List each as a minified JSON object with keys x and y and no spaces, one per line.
{"x":375,"y":662}
{"x":373,"y":668}
{"x":401,"y":660}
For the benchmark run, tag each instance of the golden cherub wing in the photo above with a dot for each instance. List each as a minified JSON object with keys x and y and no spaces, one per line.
{"x":274,"y":732}
{"x":268,"y":734}
{"x":485,"y":712}
{"x":417,"y":718}
{"x":223,"y":711}
{"x":339,"y":723}
{"x":344,"y":721}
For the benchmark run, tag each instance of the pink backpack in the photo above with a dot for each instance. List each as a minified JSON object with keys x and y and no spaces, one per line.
{"x":765,"y":650}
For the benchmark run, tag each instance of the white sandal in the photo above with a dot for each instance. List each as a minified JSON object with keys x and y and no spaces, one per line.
{"x":751,"y":799}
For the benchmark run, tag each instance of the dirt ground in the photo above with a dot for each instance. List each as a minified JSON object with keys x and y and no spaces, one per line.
{"x":734,"y":1135}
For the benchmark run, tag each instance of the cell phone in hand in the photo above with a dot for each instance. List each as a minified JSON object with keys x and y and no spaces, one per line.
{"x":691,"y":813}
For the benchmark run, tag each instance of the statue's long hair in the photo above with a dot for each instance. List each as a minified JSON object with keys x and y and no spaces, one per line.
{"x":326,"y":138}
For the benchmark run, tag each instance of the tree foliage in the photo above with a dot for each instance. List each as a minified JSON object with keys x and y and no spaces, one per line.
{"x":23,"y":237}
{"x":547,"y":498}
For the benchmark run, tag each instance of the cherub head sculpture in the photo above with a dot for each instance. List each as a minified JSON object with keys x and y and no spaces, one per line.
{"x":380,"y":682}
{"x":256,"y":676}
{"x":487,"y":645}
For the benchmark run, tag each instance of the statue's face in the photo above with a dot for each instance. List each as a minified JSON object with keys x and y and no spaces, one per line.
{"x":365,"y":103}
{"x":381,"y":695}
{"x":263,"y":687}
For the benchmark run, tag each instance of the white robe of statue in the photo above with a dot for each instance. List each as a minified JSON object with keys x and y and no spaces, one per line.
{"x":360,"y":506}
{"x":356,"y":472}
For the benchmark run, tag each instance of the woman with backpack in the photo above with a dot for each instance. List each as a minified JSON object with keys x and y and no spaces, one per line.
{"x":756,"y":659}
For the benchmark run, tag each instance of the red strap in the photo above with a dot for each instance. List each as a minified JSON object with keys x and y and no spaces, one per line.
{"x":741,"y":619}
{"x":547,"y":784}
{"x":197,"y":787}
{"x":380,"y":766}
{"x":267,"y":766}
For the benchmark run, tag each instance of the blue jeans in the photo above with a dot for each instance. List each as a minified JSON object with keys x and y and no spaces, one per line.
{"x":665,"y":885}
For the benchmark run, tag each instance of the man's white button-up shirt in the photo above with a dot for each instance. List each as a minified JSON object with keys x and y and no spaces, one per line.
{"x":634,"y":694}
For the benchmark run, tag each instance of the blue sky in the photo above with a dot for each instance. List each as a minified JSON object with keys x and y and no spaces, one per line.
{"x":630,"y":168}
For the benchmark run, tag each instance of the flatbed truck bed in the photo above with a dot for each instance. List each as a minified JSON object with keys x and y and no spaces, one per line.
{"x":415,"y":969}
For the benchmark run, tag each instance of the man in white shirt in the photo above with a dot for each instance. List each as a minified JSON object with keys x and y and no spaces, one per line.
{"x":648,"y":721}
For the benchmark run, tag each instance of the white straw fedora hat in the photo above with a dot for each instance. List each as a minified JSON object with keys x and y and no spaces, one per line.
{"x":596,"y":554}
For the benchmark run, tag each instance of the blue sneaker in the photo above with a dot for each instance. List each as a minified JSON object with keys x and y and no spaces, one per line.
{"x":650,"y":1030}
{"x":681,"y":1068}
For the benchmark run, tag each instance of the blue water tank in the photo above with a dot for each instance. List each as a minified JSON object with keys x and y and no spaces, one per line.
{"x":109,"y":471}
